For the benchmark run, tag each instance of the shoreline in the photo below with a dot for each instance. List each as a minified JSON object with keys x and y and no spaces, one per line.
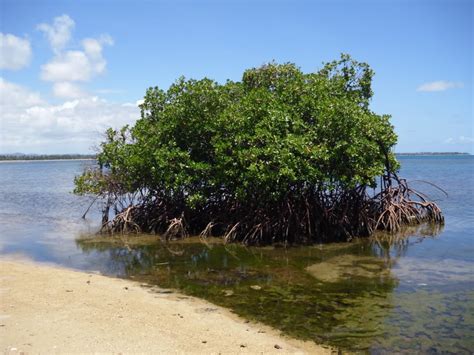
{"x":46,"y":308}
{"x":42,"y":160}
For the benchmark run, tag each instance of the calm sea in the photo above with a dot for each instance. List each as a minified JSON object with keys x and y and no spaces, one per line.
{"x":428,"y":302}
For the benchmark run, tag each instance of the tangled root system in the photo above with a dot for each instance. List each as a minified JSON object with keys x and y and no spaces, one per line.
{"x":316,"y":216}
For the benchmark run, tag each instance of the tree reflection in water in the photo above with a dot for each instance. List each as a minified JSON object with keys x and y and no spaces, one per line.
{"x":338,"y":294}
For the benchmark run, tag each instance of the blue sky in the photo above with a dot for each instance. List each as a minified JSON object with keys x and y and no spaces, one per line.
{"x":70,"y":69}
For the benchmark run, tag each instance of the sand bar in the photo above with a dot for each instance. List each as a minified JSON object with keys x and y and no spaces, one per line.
{"x":52,"y":310}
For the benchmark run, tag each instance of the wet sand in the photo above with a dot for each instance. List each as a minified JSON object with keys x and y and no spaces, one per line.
{"x":52,"y":310}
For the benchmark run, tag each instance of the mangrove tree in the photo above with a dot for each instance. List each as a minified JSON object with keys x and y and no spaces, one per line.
{"x":280,"y":156}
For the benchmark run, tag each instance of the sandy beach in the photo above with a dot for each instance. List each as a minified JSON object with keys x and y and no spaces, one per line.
{"x":52,"y":310}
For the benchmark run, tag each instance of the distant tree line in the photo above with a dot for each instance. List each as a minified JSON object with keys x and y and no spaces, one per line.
{"x":434,"y":153}
{"x":46,"y":156}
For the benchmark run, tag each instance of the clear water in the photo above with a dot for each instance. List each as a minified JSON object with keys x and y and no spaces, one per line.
{"x":413,"y":296}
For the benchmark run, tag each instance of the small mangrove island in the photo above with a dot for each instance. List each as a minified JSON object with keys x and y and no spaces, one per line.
{"x":281,"y":156}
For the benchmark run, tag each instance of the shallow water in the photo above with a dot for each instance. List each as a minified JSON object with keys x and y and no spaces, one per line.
{"x":413,"y":296}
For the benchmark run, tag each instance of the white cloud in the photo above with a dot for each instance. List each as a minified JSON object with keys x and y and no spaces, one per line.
{"x":93,"y":49}
{"x":439,"y":86}
{"x":108,"y":91}
{"x":72,"y":65}
{"x":68,"y":90}
{"x":460,"y":140}
{"x":59,"y":33}
{"x":20,"y":97}
{"x":136,"y":104}
{"x":69,"y":66}
{"x":15,"y":52}
{"x":31,"y":124}
{"x":77,"y":65}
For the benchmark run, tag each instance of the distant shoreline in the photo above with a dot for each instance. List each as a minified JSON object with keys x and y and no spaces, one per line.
{"x":45,"y":157}
{"x":433,"y":153}
{"x":38,"y":160}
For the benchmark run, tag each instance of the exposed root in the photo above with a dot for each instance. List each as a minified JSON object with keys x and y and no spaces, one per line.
{"x":176,"y":229}
{"x":207,"y":232}
{"x":316,"y":216}
{"x":400,"y":205}
{"x":123,"y":222}
{"x":231,"y":235}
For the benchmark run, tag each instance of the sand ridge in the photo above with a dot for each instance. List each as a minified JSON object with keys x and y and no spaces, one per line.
{"x":53,"y":310}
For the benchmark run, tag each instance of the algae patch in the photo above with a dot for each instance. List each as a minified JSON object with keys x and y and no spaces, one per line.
{"x":345,"y":267}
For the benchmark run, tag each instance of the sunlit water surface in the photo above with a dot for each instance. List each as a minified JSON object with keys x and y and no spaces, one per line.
{"x":416,"y":295}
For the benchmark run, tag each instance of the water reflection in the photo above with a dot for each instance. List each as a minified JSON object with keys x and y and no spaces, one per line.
{"x":339,"y":294}
{"x":371,"y":295}
{"x":388,"y":245}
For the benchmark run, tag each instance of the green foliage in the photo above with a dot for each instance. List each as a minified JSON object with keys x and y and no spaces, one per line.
{"x":277,"y":132}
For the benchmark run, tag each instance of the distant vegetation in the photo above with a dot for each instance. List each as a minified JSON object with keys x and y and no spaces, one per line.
{"x":281,"y":156}
{"x":434,"y":153}
{"x":21,"y":156}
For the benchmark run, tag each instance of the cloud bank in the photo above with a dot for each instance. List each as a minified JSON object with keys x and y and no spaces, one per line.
{"x":29,"y":123}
